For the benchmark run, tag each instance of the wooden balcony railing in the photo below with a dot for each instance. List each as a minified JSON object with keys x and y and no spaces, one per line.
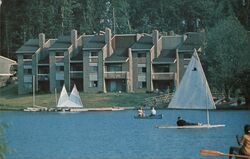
{"x":116,"y":75}
{"x":164,"y":76}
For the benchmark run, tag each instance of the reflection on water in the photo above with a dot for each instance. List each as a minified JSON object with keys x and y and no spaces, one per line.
{"x":114,"y":135}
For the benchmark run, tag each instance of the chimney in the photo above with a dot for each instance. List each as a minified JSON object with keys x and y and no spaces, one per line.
{"x":155,"y":39}
{"x":41,"y":40}
{"x":138,"y":36}
{"x":74,"y":38}
{"x":108,"y":40}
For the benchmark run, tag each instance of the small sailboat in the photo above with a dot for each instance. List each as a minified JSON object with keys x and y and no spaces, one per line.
{"x":193,"y":93}
{"x":68,"y":102}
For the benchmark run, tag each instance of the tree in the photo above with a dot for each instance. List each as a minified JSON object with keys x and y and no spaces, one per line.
{"x":244,"y":84}
{"x":121,"y":16}
{"x":227,"y":53}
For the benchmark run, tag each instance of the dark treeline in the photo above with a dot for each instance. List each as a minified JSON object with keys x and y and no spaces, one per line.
{"x":25,"y":19}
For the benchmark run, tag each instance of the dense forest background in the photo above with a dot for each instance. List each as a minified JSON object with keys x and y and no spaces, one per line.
{"x":226,"y":22}
{"x":25,"y":19}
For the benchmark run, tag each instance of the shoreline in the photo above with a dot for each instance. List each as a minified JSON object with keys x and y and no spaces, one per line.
{"x":115,"y":108}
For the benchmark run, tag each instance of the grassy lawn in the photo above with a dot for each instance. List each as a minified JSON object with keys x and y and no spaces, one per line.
{"x":11,"y":100}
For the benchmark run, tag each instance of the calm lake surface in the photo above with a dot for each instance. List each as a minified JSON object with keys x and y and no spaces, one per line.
{"x":117,"y":135}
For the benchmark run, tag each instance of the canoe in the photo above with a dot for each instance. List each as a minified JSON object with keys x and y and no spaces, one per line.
{"x":189,"y":127}
{"x":159,"y":116}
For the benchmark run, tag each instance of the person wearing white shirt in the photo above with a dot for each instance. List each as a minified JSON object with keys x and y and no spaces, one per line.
{"x":153,"y":111}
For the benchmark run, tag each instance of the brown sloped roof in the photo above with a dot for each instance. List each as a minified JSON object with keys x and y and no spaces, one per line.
{"x":145,"y":42}
{"x":166,"y":56}
{"x":31,"y":46}
{"x":194,"y":41}
{"x":94,"y":41}
{"x":119,"y":55}
{"x":63,"y":42}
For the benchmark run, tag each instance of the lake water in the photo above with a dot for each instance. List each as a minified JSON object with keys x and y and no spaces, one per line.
{"x":117,"y":135}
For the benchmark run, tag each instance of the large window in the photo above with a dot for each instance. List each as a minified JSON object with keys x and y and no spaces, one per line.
{"x":27,"y":71}
{"x":114,"y":67}
{"x":161,"y":68}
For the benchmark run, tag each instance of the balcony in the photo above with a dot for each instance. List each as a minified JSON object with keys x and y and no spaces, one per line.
{"x":116,"y":75}
{"x":164,"y":76}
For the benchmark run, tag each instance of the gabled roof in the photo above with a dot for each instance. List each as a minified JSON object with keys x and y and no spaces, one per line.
{"x":93,"y":41}
{"x":145,"y":42}
{"x":118,"y":56}
{"x":193,"y":41}
{"x":63,"y":42}
{"x":166,"y":57}
{"x":31,"y":46}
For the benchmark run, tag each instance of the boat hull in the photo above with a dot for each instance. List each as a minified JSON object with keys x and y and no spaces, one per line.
{"x":190,"y":126}
{"x":159,"y":116}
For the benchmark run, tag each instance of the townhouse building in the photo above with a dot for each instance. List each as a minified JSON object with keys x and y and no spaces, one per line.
{"x":105,"y":62}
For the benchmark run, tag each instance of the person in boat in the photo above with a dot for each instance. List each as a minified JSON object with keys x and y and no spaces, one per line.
{"x":153,"y":111}
{"x":244,"y":142}
{"x":140,"y":112}
{"x":182,"y":122}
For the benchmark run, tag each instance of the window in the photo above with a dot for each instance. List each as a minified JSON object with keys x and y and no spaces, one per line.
{"x":60,"y":68}
{"x":93,"y":57}
{"x":115,"y":67}
{"x":93,"y":84}
{"x":27,"y":56}
{"x":94,"y":54}
{"x":161,"y":68}
{"x":43,"y":70}
{"x":142,"y":70}
{"x":142,"y":84}
{"x":27,"y":71}
{"x":59,"y":54}
{"x":141,"y":55}
{"x":187,"y":56}
{"x":93,"y":69}
{"x":76,"y":67}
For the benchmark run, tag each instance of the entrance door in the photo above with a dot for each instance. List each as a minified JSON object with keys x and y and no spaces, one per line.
{"x":113,"y":86}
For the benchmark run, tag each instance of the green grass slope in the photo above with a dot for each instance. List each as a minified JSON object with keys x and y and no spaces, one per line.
{"x":9,"y":99}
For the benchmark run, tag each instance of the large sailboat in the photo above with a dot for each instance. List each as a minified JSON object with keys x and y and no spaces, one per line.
{"x":193,"y":93}
{"x":68,"y":102}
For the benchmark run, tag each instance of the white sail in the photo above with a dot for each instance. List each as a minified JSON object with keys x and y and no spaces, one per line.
{"x":193,"y":91}
{"x":63,"y":98}
{"x":75,"y":97}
